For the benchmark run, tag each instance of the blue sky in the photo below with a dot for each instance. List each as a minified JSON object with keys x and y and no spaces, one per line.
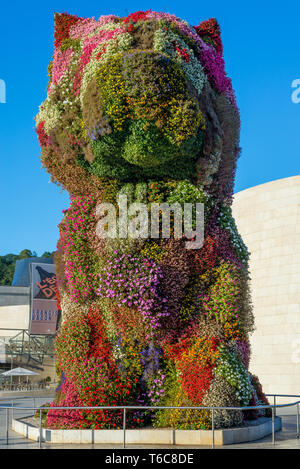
{"x":261,"y":49}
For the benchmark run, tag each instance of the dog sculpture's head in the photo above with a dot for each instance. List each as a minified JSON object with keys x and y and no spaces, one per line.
{"x":138,"y":98}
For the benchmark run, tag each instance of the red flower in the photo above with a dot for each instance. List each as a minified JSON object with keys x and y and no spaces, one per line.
{"x":63,"y":23}
{"x":211,"y":29}
{"x":42,"y":136}
{"x":137,"y":16}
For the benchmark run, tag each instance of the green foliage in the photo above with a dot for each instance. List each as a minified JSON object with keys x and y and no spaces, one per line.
{"x":147,"y":147}
{"x":154,"y":120}
{"x":172,"y":388}
{"x":7,"y":268}
{"x":227,"y":302}
{"x":72,"y":345}
{"x":234,"y":372}
{"x":26,"y":253}
{"x":109,"y":164}
{"x":48,"y":254}
{"x":44,"y":413}
{"x":8,"y":262}
{"x":227,"y":221}
{"x":185,"y":192}
{"x":74,"y":43}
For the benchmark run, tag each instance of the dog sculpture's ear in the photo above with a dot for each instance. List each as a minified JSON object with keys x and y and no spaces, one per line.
{"x":62,"y":24}
{"x":210,"y":32}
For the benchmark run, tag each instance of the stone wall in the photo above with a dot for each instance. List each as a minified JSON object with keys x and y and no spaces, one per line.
{"x":14,"y":309}
{"x":268,"y":218}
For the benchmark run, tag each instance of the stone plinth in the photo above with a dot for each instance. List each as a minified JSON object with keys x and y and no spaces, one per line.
{"x":151,"y":436}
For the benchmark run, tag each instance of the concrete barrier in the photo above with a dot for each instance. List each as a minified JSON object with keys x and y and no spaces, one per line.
{"x":151,"y":436}
{"x":8,"y":395}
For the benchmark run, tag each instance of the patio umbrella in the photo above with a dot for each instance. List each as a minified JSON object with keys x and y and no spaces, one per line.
{"x":20,"y":372}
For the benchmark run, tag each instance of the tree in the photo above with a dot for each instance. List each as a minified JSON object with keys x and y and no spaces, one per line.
{"x":8,"y":262}
{"x":26,"y":253}
{"x":48,"y":254}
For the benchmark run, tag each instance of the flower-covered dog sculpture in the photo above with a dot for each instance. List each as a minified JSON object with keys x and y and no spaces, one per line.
{"x":141,"y":106}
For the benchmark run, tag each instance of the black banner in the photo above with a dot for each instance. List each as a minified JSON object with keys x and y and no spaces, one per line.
{"x":44,"y":310}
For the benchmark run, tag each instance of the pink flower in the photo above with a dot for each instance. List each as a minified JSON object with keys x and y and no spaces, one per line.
{"x":61,"y":60}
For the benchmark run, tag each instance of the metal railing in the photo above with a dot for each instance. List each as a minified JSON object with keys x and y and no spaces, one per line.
{"x":21,"y":387}
{"x":32,"y":347}
{"x":141,"y":408}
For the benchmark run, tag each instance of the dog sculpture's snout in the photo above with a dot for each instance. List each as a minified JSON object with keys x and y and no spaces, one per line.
{"x":140,"y":99}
